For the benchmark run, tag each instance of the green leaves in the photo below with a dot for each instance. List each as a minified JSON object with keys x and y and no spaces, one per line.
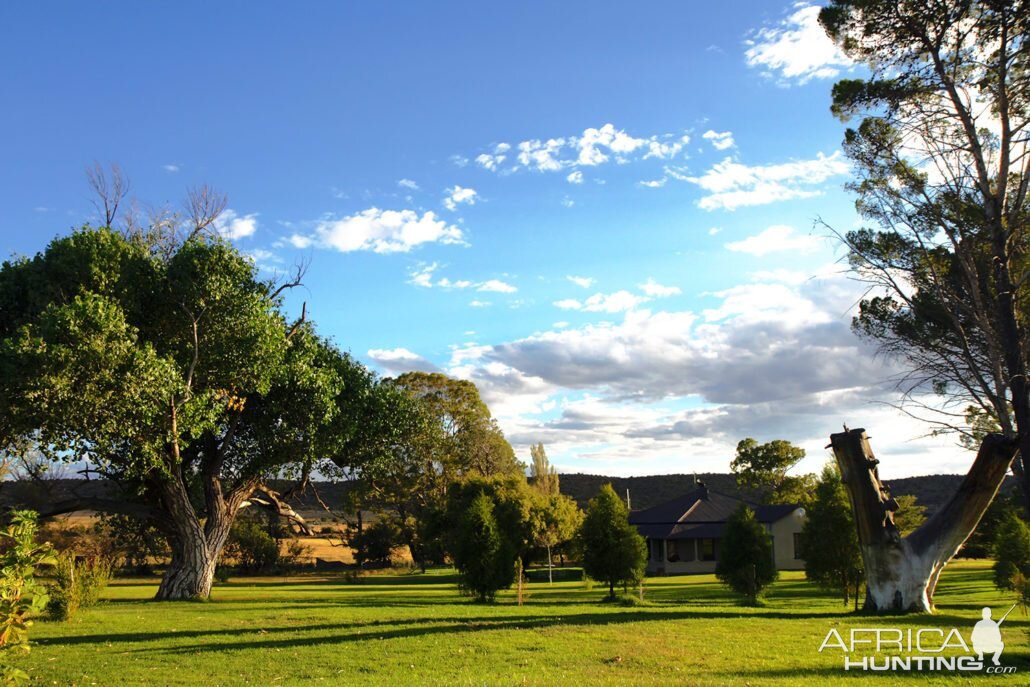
{"x":745,"y":555}
{"x":22,"y":597}
{"x":613,"y":550}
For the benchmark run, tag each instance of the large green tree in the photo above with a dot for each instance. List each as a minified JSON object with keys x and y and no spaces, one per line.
{"x":173,"y":373}
{"x":424,"y":433}
{"x":940,"y":155}
{"x":829,"y":543}
{"x":746,"y":555}
{"x":763,"y":468}
{"x":613,"y":550}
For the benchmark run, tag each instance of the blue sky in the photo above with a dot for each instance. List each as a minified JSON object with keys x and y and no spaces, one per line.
{"x":602,"y":213}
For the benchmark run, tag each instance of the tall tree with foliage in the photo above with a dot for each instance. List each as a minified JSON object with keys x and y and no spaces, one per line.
{"x":487,"y":568}
{"x":745,"y":555}
{"x":613,"y":550}
{"x":940,"y":156}
{"x":483,"y":557}
{"x":473,"y":444}
{"x":1012,"y":553}
{"x":555,"y":520}
{"x":171,"y":372}
{"x":763,"y":468}
{"x":543,"y":474}
{"x":829,"y":542}
{"x":424,"y":433}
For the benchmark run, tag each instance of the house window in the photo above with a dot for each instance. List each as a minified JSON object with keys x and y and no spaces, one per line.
{"x":709,"y":549}
{"x":687,"y":551}
{"x":798,"y":553}
{"x":672,"y":550}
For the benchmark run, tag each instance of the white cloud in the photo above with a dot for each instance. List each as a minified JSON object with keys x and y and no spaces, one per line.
{"x":496,"y":286}
{"x":233,"y":226}
{"x":381,"y":231}
{"x":300,"y":241}
{"x":777,"y":238}
{"x":408,"y":184}
{"x":731,"y":184}
{"x":585,"y":282}
{"x":396,"y":361}
{"x":170,"y":168}
{"x":479,"y":304}
{"x":657,"y":183}
{"x":636,"y":396}
{"x":656,"y":290}
{"x":424,"y":274}
{"x":593,"y":147}
{"x":797,"y":49}
{"x":458,"y":195}
{"x":567,"y":202}
{"x":720,"y":140}
{"x":264,"y":259}
{"x":712,"y":231}
{"x":619,"y":301}
{"x":459,"y":160}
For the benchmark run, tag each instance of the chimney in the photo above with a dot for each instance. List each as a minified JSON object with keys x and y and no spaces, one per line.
{"x":704,"y":489}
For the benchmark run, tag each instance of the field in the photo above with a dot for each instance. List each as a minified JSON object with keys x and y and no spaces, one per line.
{"x":417,"y":630}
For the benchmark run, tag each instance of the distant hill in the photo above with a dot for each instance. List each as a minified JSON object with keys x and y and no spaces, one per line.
{"x":930,"y":490}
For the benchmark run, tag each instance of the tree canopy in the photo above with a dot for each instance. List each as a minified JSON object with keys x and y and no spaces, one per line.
{"x":613,"y":550}
{"x":174,"y":373}
{"x":746,"y":555}
{"x":763,"y":468}
{"x":829,"y":541}
{"x":940,"y":153}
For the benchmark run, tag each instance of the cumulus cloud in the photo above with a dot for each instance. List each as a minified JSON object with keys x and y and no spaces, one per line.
{"x":797,"y":49}
{"x":731,"y":184}
{"x":423,"y":275}
{"x":719,"y":140}
{"x":619,"y":301}
{"x":656,"y":290}
{"x":234,"y":226}
{"x":397,"y":361}
{"x":381,"y":231}
{"x":775,"y":239}
{"x":408,"y":184}
{"x":458,"y":195}
{"x":592,"y":147}
{"x":675,"y":391}
{"x":496,"y":286}
{"x":585,"y":282}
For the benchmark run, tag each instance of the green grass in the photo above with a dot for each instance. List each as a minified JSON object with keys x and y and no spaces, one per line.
{"x":416,"y":630}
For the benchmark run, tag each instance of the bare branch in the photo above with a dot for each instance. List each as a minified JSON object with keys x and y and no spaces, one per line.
{"x":109,"y":189}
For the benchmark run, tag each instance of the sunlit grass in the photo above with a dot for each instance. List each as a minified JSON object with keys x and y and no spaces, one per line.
{"x":417,"y":630}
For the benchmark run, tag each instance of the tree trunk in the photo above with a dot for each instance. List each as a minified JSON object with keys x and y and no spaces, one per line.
{"x":195,"y":547}
{"x":902,"y":572}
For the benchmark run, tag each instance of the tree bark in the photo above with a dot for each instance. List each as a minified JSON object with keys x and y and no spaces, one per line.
{"x":902,"y":572}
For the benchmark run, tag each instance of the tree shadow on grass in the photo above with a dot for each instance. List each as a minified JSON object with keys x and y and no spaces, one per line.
{"x":385,"y":629}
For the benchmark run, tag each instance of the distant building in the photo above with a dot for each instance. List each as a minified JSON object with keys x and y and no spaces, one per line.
{"x":683,"y":535}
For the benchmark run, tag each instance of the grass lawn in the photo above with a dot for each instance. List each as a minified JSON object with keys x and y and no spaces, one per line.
{"x":417,"y":630}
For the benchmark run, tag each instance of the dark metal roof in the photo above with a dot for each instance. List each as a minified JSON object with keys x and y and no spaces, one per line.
{"x":699,"y":514}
